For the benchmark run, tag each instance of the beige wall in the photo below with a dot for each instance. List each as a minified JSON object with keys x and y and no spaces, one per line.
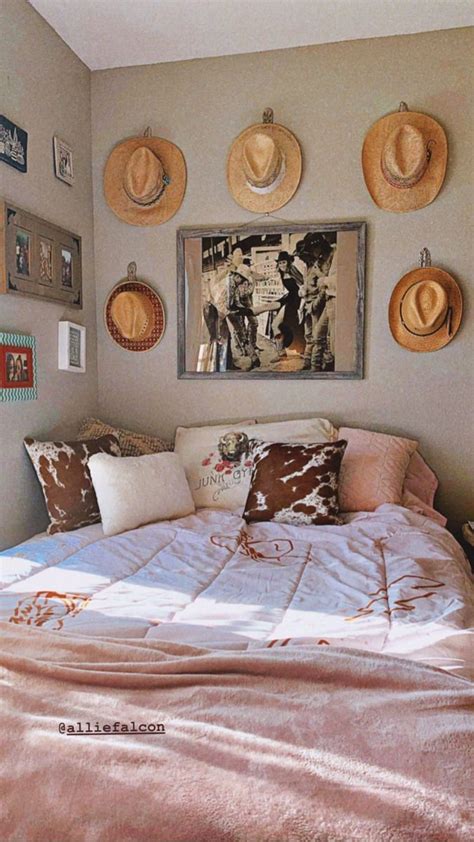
{"x":328,"y":95}
{"x":45,"y":88}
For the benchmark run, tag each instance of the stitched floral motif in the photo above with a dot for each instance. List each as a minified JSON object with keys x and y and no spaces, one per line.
{"x":381,"y":596}
{"x":46,"y":606}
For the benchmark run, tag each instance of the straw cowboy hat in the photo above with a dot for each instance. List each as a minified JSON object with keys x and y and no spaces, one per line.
{"x":145,"y":180}
{"x":404,"y":160}
{"x":134,"y":315}
{"x":425,"y":309}
{"x":264,"y":166}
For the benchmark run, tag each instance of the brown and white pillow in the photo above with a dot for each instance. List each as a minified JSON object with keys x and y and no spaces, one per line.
{"x":295,"y":483}
{"x":61,"y":467}
{"x":131,"y":444}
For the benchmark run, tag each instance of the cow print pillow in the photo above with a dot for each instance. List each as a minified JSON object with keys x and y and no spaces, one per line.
{"x":295,"y":483}
{"x":61,"y":467}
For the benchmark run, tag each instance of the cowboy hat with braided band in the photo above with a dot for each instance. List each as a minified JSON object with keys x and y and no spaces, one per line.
{"x":425,"y":309}
{"x":145,"y":180}
{"x":264,"y":166}
{"x":404,"y":160}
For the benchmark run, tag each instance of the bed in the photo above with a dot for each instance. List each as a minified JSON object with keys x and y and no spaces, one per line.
{"x":313,"y":683}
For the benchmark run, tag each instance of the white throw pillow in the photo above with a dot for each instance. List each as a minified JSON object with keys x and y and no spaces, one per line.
{"x":217,"y":461}
{"x":134,"y":490}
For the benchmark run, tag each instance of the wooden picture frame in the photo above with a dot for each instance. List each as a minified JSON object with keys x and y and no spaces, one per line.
{"x":71,"y":347}
{"x":243,"y":313}
{"x":38,"y":258}
{"x":17,"y":367}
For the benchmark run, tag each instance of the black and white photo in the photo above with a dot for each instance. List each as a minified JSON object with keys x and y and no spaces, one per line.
{"x":284,"y":301}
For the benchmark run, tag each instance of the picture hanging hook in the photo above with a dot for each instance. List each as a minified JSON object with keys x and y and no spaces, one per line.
{"x":132,"y":272}
{"x":425,"y":258}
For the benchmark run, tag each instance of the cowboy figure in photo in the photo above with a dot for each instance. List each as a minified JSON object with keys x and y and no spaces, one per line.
{"x":285,"y":328}
{"x":241,"y":319}
{"x":316,"y":253}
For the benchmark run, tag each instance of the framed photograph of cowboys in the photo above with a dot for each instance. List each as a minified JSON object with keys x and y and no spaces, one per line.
{"x":282,"y":301}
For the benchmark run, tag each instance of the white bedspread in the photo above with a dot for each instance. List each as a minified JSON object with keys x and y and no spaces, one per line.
{"x":390,"y":581}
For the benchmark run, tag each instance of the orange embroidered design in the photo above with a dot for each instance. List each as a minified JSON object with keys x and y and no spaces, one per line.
{"x":45,"y":606}
{"x":271,"y":550}
{"x":424,"y":583}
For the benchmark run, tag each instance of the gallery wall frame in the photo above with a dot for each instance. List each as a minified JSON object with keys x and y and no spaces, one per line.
{"x":18,"y":371}
{"x":63,"y":160}
{"x":71,"y":347}
{"x":13,"y":145}
{"x":38,"y":258}
{"x":266,"y":301}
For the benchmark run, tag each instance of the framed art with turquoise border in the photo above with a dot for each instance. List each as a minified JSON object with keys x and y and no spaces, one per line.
{"x":17,"y":367}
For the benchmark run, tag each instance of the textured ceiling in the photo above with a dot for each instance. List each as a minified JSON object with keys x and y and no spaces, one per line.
{"x":117,"y":33}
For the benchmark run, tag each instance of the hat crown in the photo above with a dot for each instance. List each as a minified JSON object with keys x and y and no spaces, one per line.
{"x":424,"y":307}
{"x":132,"y":313}
{"x":404,"y":156}
{"x":143,"y":178}
{"x":262,"y":159}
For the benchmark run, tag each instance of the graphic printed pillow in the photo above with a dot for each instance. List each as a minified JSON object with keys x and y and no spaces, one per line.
{"x":218,"y":462}
{"x":131,"y":444}
{"x":373,"y":469}
{"x":61,"y":467}
{"x":295,"y":483}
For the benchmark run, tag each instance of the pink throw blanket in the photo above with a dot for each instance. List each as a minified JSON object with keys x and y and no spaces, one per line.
{"x":312,"y":743}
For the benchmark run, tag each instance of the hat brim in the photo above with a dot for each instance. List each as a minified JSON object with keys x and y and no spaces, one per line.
{"x":447,"y":331}
{"x":169,"y":202}
{"x":283,"y":192}
{"x":159,"y":317}
{"x":401,"y":200}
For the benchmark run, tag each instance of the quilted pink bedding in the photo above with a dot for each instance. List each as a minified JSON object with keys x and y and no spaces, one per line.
{"x":265,"y":654}
{"x":390,"y":581}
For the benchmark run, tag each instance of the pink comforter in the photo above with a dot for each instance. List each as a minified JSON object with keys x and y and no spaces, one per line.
{"x":269,"y":745}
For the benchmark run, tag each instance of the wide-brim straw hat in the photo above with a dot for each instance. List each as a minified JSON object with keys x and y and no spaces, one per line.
{"x":145,"y":180}
{"x":264,"y":166}
{"x":404,"y":160}
{"x":134,"y":314}
{"x":425,"y":309}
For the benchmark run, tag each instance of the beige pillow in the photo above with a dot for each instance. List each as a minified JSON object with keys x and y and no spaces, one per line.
{"x":373,"y":469}
{"x":131,"y":444}
{"x":217,"y":459}
{"x":139,"y":490}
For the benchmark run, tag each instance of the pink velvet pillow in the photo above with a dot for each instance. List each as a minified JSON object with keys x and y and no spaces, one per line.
{"x":373,"y":469}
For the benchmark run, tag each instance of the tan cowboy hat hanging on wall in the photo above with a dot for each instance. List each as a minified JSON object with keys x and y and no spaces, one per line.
{"x":145,"y":180}
{"x":404,"y":160}
{"x":264,"y":166}
{"x":425,"y":309}
{"x":134,"y":314}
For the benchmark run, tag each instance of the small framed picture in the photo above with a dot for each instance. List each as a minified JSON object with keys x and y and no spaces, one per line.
{"x":13,"y":144}
{"x":17,"y":367}
{"x":63,"y":163}
{"x":66,"y":268}
{"x":45,"y":261}
{"x":72,"y":347}
{"x":23,"y":253}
